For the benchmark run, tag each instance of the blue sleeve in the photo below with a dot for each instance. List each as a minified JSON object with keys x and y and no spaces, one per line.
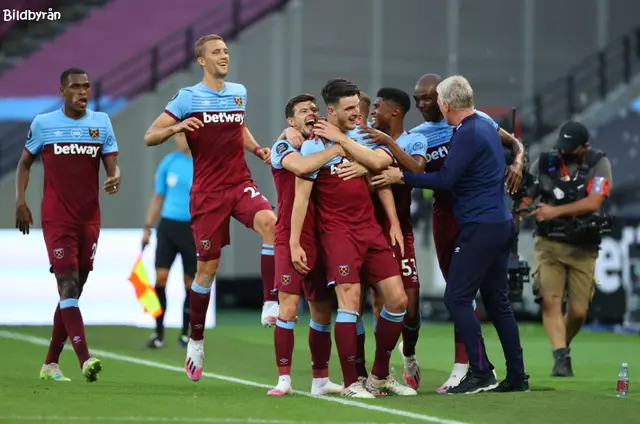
{"x":281,"y":148}
{"x":110,"y":145}
{"x":161,"y":176}
{"x":487,"y":118}
{"x":418,"y":146}
{"x":461,"y":153}
{"x":310,"y":147}
{"x":179,"y":107}
{"x":34,"y":137}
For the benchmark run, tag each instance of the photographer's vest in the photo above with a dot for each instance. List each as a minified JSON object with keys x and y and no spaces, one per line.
{"x":565,"y":189}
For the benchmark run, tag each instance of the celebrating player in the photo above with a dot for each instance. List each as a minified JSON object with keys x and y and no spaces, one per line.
{"x":301,"y":113}
{"x":170,"y":203}
{"x":409,"y":151}
{"x":351,"y":239}
{"x":212,"y":114}
{"x":71,"y":142}
{"x":445,"y":226}
{"x":365,"y":108}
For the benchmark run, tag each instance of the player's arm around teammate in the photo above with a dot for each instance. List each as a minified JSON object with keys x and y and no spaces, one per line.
{"x":301,"y":165}
{"x":375,"y":160}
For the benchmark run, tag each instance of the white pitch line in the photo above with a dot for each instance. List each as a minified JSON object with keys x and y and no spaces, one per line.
{"x":152,"y":364}
{"x":140,"y":419}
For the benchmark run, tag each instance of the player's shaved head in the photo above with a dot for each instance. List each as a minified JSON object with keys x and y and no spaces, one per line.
{"x":426,"y":97}
{"x":428,"y":80}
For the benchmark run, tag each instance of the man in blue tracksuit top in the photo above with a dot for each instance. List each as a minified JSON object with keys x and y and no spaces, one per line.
{"x":474,"y":171}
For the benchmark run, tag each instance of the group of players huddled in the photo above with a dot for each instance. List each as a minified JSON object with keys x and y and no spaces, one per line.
{"x":340,"y":225}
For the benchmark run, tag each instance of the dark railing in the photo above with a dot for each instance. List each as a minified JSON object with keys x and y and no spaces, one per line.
{"x":145,"y":71}
{"x":589,"y":81}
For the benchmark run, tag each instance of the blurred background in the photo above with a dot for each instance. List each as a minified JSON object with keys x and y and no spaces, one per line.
{"x":553,"y":59}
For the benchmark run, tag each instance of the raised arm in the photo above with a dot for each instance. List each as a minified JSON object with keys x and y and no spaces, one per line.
{"x":460,"y":156}
{"x":375,"y":160}
{"x":174,"y":119}
{"x":301,"y":165}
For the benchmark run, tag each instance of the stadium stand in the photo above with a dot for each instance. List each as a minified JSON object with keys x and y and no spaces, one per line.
{"x":131,"y":62}
{"x":21,"y":38}
{"x":587,"y":83}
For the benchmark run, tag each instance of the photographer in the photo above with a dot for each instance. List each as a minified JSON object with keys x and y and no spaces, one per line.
{"x":572,"y":182}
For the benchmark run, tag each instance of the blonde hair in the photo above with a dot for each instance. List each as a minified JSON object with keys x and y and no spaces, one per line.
{"x":199,"y":49}
{"x":365,"y":104}
{"x":457,"y":92}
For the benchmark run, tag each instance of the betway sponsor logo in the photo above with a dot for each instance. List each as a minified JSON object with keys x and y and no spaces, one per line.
{"x":222,"y":117}
{"x":439,"y":153}
{"x":76,"y":149}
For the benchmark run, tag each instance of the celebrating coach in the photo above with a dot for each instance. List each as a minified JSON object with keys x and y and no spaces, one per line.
{"x":474,"y":171}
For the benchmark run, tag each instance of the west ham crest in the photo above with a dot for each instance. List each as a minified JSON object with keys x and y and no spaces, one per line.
{"x":344,"y":270}
{"x":58,"y":253}
{"x":285,"y":279}
{"x":238,"y":100}
{"x":205,"y":244}
{"x":94,"y":132}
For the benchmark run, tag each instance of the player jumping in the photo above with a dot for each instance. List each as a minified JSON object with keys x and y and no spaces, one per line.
{"x":71,"y":142}
{"x":351,"y":239}
{"x":301,"y":113}
{"x":409,"y":151}
{"x":445,"y":226}
{"x":212,"y":116}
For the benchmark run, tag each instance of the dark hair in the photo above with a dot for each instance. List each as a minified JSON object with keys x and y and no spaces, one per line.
{"x":397,"y":96}
{"x":64,"y":76}
{"x":291,"y":104}
{"x":337,"y":88}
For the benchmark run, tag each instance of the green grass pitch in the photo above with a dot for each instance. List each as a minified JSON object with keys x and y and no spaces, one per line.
{"x":139,"y":385}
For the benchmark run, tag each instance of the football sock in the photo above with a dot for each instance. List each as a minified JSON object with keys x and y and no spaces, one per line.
{"x":72,"y":318}
{"x":58,"y":337}
{"x":283,"y":341}
{"x":268,"y":270}
{"x":347,"y":345}
{"x":185,"y":314}
{"x":387,"y":334}
{"x":361,"y":365}
{"x":410,"y":339}
{"x":320,"y":347}
{"x":198,"y":304}
{"x":162,"y":297}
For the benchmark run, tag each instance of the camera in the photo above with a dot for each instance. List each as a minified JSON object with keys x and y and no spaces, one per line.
{"x":519,"y":270}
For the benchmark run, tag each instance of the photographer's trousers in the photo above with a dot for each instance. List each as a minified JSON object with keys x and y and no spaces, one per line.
{"x":480,"y":262}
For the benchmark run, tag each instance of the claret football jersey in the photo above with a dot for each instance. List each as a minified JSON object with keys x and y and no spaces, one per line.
{"x":71,"y":151}
{"x":218,"y":147}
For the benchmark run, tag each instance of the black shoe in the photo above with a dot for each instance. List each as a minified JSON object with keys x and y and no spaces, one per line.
{"x":155,"y":342}
{"x":474,"y":383}
{"x":507,"y":386}
{"x":183,"y":341}
{"x":562,"y":363}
